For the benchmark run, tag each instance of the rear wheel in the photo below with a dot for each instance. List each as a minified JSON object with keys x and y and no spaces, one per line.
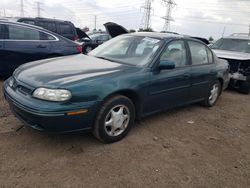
{"x":115,"y":119}
{"x":244,"y":88}
{"x":213,"y":94}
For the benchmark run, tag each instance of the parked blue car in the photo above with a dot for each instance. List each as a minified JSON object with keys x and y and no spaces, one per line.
{"x":21,"y":43}
{"x":129,"y":77}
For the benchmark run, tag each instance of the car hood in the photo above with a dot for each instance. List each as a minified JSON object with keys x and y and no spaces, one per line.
{"x":114,"y":29}
{"x":81,"y":34}
{"x":59,"y":72}
{"x":232,"y":55}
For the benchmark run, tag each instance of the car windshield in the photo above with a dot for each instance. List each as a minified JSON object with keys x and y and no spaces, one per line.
{"x":230,"y":44}
{"x":132,"y":50}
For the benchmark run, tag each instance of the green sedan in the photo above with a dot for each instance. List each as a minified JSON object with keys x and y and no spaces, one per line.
{"x":127,"y":78}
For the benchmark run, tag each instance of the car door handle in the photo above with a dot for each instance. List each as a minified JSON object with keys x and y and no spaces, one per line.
{"x":41,"y":46}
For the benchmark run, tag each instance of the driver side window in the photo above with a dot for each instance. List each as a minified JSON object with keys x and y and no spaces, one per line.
{"x":175,"y":52}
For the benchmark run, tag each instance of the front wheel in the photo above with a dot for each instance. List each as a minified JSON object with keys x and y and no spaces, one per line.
{"x":213,"y":94}
{"x":115,"y":119}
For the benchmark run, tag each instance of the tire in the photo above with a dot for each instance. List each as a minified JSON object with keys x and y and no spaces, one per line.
{"x":212,"y":98}
{"x":115,"y":119}
{"x":245,"y":88}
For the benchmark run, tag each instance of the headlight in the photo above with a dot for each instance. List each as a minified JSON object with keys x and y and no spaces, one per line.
{"x":57,"y":95}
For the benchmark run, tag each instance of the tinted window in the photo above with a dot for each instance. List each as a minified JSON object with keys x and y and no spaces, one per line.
{"x":176,"y":52}
{"x":198,"y":53}
{"x":45,"y":36}
{"x":28,"y":22}
{"x":22,"y":33}
{"x":65,"y":28}
{"x":1,"y":32}
{"x":51,"y":26}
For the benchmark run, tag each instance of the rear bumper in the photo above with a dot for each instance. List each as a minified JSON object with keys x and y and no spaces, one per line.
{"x":53,"y":122}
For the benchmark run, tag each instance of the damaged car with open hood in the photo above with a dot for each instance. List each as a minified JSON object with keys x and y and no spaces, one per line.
{"x":236,"y":50}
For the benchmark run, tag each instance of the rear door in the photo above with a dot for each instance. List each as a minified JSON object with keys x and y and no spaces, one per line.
{"x":203,"y":70}
{"x":25,"y":44}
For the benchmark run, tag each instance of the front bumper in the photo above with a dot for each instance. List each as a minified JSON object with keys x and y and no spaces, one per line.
{"x":50,"y":121}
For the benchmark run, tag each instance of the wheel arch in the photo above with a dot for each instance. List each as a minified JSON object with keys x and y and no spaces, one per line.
{"x":222,"y":83}
{"x":133,"y":96}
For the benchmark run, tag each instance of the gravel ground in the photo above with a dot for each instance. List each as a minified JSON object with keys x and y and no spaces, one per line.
{"x":187,"y":147}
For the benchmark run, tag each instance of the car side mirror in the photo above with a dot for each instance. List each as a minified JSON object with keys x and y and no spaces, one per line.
{"x":166,"y":64}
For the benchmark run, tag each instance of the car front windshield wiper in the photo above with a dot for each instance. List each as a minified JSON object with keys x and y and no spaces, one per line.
{"x":101,"y":57}
{"x":113,"y":60}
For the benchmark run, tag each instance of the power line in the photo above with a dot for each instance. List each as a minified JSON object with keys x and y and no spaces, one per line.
{"x":146,"y":19}
{"x":169,"y":4}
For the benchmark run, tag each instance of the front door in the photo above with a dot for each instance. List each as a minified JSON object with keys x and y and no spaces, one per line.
{"x":170,"y":88}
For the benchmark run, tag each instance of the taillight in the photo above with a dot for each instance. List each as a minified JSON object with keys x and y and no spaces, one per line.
{"x":75,"y":38}
{"x":79,"y":49}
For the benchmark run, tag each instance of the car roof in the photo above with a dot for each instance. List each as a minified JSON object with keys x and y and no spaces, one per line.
{"x":156,"y":35}
{"x":22,"y":24}
{"x":43,"y":19}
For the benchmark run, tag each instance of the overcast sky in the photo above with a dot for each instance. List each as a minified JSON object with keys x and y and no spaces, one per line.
{"x":192,"y":17}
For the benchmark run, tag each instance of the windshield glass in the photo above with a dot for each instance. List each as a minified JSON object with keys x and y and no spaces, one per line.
{"x":132,"y":50}
{"x":238,"y":45}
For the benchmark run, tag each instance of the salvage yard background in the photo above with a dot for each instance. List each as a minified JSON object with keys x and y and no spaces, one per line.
{"x":187,"y":147}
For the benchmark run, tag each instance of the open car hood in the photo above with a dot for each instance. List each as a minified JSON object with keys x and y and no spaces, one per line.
{"x":81,"y":34}
{"x":114,"y":29}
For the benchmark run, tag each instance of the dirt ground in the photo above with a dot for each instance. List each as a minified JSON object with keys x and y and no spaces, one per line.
{"x":187,"y":147}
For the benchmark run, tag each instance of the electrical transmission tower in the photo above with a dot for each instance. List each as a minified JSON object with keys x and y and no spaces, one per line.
{"x":170,"y":5}
{"x":38,"y":8}
{"x":146,"y":19}
{"x":21,"y":9}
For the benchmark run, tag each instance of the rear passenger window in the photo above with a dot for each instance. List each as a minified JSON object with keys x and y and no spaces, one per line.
{"x":45,"y":36}
{"x":51,"y":26}
{"x":198,"y":53}
{"x":22,"y":33}
{"x":65,"y":28}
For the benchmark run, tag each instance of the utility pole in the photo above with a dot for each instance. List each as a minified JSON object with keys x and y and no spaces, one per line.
{"x":21,"y":9}
{"x":95,"y":22}
{"x":4,"y":12}
{"x":223,"y":32}
{"x":170,"y":5}
{"x":146,"y":19}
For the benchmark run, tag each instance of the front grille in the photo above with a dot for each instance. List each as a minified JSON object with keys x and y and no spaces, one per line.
{"x":24,"y":90}
{"x":17,"y":86}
